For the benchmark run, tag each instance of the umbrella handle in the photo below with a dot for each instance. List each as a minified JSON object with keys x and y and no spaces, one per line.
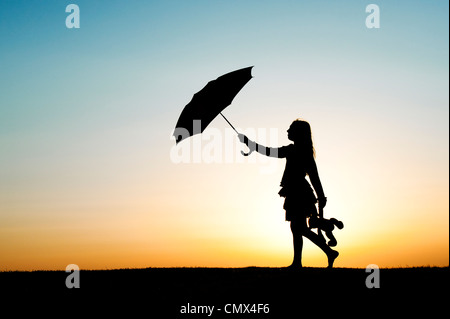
{"x":249,"y":152}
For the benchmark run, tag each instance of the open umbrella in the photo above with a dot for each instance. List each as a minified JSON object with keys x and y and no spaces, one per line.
{"x":210,"y":102}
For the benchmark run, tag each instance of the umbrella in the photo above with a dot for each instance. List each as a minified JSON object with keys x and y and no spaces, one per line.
{"x":210,"y":102}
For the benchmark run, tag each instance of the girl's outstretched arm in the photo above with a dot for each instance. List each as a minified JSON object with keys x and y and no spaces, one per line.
{"x":278,"y":152}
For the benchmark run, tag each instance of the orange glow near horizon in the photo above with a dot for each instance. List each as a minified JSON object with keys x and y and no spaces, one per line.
{"x":230,"y":228}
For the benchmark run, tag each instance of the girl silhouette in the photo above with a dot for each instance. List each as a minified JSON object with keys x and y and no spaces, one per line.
{"x":300,"y":200}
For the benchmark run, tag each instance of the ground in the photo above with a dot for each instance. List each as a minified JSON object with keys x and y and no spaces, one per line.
{"x":251,"y":292}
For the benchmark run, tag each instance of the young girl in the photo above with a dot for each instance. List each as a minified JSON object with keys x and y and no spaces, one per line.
{"x":300,"y":200}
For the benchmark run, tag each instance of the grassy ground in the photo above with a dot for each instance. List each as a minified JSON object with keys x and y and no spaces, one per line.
{"x":163,"y":292}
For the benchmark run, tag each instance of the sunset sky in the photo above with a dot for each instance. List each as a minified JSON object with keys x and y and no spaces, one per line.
{"x":90,"y":175}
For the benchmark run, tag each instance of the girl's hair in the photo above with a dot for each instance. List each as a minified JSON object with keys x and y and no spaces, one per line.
{"x":301,"y":133}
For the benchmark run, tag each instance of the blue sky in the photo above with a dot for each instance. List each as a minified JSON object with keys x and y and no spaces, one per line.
{"x":134,"y":47}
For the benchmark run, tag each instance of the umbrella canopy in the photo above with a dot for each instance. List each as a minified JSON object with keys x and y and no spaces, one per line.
{"x":210,"y":102}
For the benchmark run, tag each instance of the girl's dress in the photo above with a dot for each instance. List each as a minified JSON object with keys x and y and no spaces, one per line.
{"x":299,"y":196}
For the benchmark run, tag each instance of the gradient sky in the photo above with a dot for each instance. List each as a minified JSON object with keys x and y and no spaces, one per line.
{"x":86,"y":115}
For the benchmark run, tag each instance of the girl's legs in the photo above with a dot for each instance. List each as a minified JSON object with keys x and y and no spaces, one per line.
{"x":296,"y":228}
{"x":331,"y":254}
{"x":300,"y":229}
